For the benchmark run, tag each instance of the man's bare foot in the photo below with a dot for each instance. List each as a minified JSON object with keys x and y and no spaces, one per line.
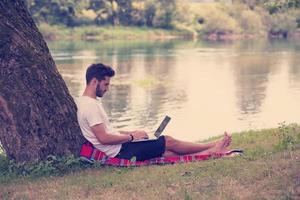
{"x":228,"y":136}
{"x":223,"y":143}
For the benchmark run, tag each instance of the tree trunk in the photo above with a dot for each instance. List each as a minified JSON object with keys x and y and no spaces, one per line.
{"x":37,"y":113}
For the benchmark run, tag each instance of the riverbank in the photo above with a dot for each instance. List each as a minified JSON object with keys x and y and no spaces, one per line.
{"x":268,"y":170}
{"x":104,"y":33}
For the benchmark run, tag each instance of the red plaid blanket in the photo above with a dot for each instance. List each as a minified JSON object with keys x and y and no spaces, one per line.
{"x":91,"y":154}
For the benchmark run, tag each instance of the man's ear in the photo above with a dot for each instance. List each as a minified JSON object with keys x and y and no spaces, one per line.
{"x":94,"y":81}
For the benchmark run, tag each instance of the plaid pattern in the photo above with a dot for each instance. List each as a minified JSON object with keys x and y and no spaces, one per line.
{"x":91,"y":154}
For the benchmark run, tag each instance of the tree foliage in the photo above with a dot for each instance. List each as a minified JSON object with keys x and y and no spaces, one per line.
{"x":165,"y":14}
{"x":153,"y":13}
{"x":273,"y":6}
{"x":53,"y":11}
{"x":281,"y":5}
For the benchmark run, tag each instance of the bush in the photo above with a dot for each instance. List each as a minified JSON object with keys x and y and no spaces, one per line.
{"x":51,"y":166}
{"x":297,"y":15}
{"x":251,"y":22}
{"x":138,"y":14}
{"x":163,"y":19}
{"x":221,"y":23}
{"x":4,"y":163}
{"x":286,"y":140}
{"x":214,"y":19}
{"x":161,"y":13}
{"x":149,"y":12}
{"x":183,"y":13}
{"x":283,"y":22}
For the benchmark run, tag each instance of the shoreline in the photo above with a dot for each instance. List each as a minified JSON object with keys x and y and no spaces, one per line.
{"x":105,"y":33}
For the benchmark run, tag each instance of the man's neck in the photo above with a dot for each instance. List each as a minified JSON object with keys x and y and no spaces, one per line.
{"x":89,"y":93}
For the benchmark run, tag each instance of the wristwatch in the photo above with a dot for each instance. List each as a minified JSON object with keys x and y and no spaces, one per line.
{"x":131,"y":137}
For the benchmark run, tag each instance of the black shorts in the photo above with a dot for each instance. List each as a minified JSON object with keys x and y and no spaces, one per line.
{"x":143,"y":150}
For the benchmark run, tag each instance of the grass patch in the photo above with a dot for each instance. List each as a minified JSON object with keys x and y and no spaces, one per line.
{"x":59,"y":32}
{"x":268,"y":170}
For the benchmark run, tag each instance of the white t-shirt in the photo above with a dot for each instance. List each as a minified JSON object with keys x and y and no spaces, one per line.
{"x":90,"y":112}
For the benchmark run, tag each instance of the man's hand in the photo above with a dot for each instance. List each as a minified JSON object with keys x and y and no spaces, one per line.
{"x":139,"y":134}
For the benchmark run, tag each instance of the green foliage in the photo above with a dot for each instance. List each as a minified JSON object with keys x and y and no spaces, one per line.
{"x":125,"y":11}
{"x":283,"y":22}
{"x":92,"y":32}
{"x":246,"y":17}
{"x":138,"y":14}
{"x":150,"y":10}
{"x":160,"y":13}
{"x":104,"y":10}
{"x":72,"y":13}
{"x":187,"y":196}
{"x":165,"y":13}
{"x":51,"y":166}
{"x":274,"y":6}
{"x":249,"y":20}
{"x":217,"y":20}
{"x":249,"y":17}
{"x":221,"y":23}
{"x":287,"y":141}
{"x":54,"y":11}
{"x":251,"y":3}
{"x":4,"y":163}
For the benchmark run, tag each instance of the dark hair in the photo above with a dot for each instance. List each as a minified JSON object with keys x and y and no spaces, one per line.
{"x":98,"y":71}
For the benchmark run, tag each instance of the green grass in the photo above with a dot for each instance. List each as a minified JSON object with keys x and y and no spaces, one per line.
{"x":268,"y":170}
{"x":58,"y":32}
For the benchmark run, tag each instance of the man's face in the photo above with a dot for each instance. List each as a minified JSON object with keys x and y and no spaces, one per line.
{"x":102,"y":87}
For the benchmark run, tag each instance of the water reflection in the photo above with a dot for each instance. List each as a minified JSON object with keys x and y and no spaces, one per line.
{"x":251,"y":76}
{"x":294,"y":67}
{"x":206,"y":87}
{"x":141,"y":88}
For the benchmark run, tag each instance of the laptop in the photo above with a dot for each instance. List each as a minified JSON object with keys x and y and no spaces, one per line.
{"x":158,"y":131}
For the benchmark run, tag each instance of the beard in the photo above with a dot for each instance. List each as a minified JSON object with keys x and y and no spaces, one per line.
{"x":99,"y":92}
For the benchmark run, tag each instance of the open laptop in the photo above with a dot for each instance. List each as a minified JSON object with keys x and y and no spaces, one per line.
{"x":158,"y":131}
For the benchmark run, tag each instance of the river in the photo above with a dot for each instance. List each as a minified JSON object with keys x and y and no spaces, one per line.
{"x":205,"y":87}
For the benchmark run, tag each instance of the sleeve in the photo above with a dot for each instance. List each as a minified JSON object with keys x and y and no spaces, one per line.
{"x":93,"y":115}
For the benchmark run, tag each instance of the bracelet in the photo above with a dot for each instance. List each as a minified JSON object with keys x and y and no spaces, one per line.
{"x":131,"y":138}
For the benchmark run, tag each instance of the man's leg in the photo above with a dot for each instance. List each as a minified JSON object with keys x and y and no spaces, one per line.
{"x":178,"y":147}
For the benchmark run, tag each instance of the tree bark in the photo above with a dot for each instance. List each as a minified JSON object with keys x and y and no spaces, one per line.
{"x":37,"y":113}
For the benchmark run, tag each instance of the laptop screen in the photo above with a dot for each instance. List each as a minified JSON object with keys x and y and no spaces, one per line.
{"x":162,"y":126}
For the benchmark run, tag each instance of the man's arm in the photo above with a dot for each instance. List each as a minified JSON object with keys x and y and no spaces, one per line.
{"x":126,"y":132}
{"x":110,"y":139}
{"x":134,"y":132}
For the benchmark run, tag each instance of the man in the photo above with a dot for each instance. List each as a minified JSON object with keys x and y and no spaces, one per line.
{"x":96,"y":128}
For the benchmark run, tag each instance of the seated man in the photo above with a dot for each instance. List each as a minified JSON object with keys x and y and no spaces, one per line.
{"x":96,"y":128}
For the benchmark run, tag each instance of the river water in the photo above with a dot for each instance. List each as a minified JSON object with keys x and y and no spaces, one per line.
{"x":205,"y":87}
